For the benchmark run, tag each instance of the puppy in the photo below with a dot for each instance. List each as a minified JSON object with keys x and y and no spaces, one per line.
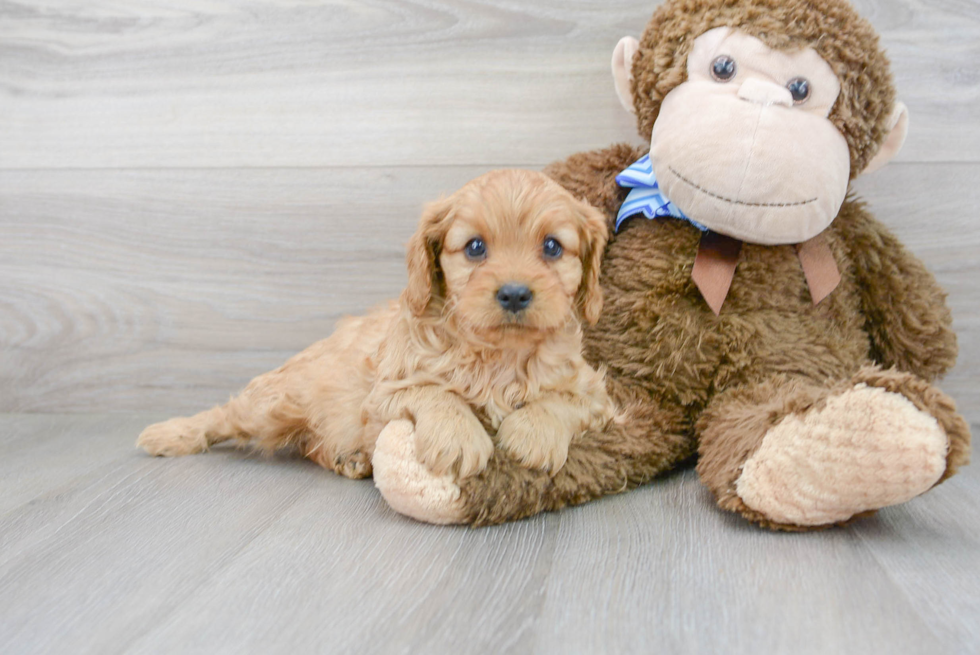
{"x":485,"y":337}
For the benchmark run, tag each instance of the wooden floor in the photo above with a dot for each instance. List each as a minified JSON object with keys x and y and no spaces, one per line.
{"x":103,"y":550}
{"x":190,"y":192}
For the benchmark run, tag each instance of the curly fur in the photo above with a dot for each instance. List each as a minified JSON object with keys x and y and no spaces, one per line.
{"x":447,"y":355}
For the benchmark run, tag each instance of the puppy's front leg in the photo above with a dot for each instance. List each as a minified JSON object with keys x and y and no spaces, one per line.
{"x":539,"y":433}
{"x":448,"y":436}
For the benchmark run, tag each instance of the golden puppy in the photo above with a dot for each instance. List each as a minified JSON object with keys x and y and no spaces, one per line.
{"x":485,"y":336}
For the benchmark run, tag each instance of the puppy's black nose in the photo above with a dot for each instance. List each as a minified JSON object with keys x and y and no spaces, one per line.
{"x":514,"y":297}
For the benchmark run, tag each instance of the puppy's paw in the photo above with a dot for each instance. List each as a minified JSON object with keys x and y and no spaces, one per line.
{"x":354,"y":465}
{"x":536,"y":438}
{"x":173,"y":438}
{"x":452,"y":441}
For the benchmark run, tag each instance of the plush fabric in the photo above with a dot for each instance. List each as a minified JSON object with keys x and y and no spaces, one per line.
{"x":792,"y":481}
{"x":801,"y":416}
{"x":831,"y":27}
{"x":739,"y":156}
{"x":715,"y":385}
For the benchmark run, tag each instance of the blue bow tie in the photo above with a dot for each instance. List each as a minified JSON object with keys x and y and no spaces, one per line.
{"x":645,"y":197}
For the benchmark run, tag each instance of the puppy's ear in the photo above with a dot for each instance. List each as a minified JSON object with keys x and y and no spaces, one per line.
{"x":423,"y":255}
{"x":594,"y":236}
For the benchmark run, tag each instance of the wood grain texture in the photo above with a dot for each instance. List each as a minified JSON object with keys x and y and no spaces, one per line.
{"x":228,"y":553}
{"x":382,"y":82}
{"x":751,"y":591}
{"x":182,"y":285}
{"x":41,"y":452}
{"x":931,"y":550}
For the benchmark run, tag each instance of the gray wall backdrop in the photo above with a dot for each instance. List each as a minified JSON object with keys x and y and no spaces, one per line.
{"x":191,"y":192}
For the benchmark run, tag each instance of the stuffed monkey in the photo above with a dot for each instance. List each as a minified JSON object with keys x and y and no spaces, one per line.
{"x":755,"y":316}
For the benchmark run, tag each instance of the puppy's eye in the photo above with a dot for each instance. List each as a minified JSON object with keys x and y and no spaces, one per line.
{"x":552,"y":249}
{"x":476,"y":250}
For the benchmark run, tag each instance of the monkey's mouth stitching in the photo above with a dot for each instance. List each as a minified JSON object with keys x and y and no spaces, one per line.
{"x":739,"y":202}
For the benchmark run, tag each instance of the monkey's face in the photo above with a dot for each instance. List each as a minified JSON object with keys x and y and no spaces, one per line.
{"x":745,"y":147}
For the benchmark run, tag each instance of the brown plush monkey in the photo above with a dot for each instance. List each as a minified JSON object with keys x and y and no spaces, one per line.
{"x":754,"y":316}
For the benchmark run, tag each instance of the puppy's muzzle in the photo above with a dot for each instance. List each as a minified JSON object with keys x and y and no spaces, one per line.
{"x":514,"y":297}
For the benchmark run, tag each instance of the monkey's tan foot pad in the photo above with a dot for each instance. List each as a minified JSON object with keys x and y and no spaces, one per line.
{"x":407,"y":485}
{"x":865,"y":449}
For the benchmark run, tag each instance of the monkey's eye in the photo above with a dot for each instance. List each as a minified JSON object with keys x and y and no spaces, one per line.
{"x":552,"y":249}
{"x":475,"y":250}
{"x":723,"y":68}
{"x":799,"y":88}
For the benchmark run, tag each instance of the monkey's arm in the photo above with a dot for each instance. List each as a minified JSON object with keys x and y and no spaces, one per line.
{"x":591,"y":176}
{"x":904,"y":307}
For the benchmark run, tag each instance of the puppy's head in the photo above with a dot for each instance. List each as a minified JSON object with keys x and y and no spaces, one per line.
{"x":510,"y":254}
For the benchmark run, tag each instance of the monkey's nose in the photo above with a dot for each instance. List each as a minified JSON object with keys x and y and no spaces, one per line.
{"x":514,"y":297}
{"x":765,"y":93}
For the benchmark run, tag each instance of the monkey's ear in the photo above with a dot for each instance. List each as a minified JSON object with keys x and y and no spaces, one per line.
{"x":595,"y":233}
{"x":622,"y":69}
{"x":422,"y":254}
{"x":898,"y":125}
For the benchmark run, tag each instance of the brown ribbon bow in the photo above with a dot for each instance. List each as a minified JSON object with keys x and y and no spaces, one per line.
{"x":714,"y":267}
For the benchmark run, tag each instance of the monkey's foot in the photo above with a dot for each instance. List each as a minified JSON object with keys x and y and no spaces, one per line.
{"x":407,"y":485}
{"x":859,"y":451}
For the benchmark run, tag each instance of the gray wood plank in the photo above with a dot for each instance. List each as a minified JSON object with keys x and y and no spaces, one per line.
{"x":366,"y":580}
{"x":227,"y":552}
{"x":380,"y":83}
{"x":93,"y":566}
{"x":168,"y":290}
{"x":39,"y":453}
{"x":664,"y":571}
{"x":931,"y":550}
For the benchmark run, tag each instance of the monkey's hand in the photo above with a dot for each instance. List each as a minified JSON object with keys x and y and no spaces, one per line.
{"x":905,"y":308}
